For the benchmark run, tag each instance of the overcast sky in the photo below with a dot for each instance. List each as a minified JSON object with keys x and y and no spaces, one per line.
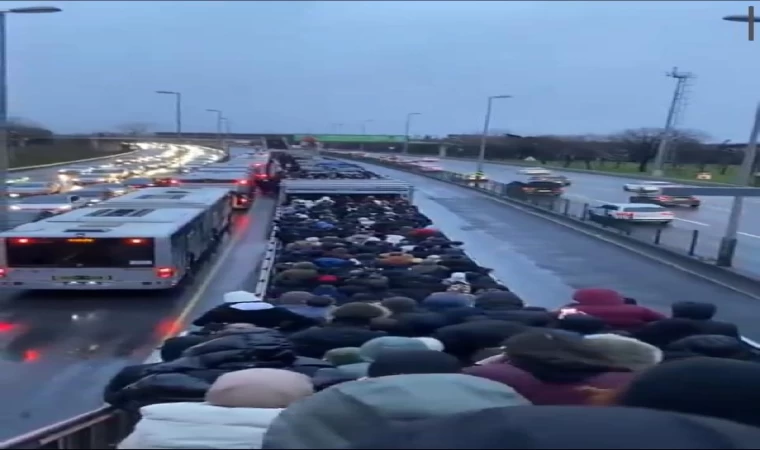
{"x":573,"y":67}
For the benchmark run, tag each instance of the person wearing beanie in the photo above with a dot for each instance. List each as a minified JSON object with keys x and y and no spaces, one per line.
{"x":238,"y":409}
{"x":245,"y":307}
{"x":371,"y":350}
{"x":625,"y":353}
{"x":348,"y":326}
{"x":714,"y":387}
{"x":406,"y":362}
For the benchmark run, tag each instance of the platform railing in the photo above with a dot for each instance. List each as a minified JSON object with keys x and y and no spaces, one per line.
{"x":101,"y":429}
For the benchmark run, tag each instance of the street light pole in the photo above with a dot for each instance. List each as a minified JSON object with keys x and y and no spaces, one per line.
{"x":409,"y":116}
{"x":4,"y":147}
{"x":364,"y":132}
{"x":484,"y":137}
{"x":743,"y":177}
{"x":177,"y":110}
{"x":219,"y":120}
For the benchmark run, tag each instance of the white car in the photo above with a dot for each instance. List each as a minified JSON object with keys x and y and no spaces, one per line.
{"x":430,"y":168}
{"x":534,"y":171}
{"x":630,"y":213}
{"x":56,"y":203}
{"x":647,"y":186}
{"x":429,"y":160}
{"x":28,"y":188}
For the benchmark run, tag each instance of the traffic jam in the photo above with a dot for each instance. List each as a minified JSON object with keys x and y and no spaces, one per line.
{"x":159,"y":165}
{"x":646,"y":203}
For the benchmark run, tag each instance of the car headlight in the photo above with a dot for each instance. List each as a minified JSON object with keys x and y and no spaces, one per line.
{"x":64,"y":207}
{"x":13,"y":194}
{"x":15,"y":207}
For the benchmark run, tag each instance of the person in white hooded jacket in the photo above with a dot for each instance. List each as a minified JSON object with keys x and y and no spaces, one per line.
{"x":237,"y":412}
{"x":245,"y":307}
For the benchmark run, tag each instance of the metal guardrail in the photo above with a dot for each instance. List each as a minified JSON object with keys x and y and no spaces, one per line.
{"x":101,"y":429}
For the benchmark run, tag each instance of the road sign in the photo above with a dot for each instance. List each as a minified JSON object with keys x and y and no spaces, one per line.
{"x":710,"y":191}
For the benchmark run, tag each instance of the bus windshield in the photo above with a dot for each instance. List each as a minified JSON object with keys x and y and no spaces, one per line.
{"x":79,"y":252}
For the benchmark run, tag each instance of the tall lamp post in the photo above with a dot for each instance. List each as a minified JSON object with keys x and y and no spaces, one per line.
{"x":406,"y":131}
{"x":484,"y":137}
{"x":4,"y":148}
{"x":219,"y":121}
{"x":364,"y":132}
{"x":743,"y":178}
{"x":177,"y":110}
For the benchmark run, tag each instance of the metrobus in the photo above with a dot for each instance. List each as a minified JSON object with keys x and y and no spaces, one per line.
{"x":113,"y":246}
{"x":239,"y":184}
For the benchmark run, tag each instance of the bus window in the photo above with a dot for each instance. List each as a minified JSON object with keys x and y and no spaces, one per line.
{"x":80,"y":252}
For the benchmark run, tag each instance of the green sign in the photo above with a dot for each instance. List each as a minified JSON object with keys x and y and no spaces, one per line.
{"x":337,"y":138}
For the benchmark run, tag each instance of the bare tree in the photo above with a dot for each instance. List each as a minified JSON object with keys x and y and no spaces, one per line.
{"x":136,"y":128}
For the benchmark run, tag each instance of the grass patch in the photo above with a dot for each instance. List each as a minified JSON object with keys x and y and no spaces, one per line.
{"x":61,"y":151}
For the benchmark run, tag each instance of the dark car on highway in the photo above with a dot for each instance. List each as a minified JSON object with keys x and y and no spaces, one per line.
{"x":530,"y":188}
{"x":140,"y":182}
{"x":565,"y":181}
{"x":666,"y":200}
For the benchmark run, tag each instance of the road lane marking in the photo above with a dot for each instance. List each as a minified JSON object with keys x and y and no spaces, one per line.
{"x":692,"y":221}
{"x":748,"y":235}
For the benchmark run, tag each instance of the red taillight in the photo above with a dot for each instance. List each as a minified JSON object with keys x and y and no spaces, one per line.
{"x":165,"y":272}
{"x":6,"y":327}
{"x":31,"y":355}
{"x":3,"y":272}
{"x":243,"y":200}
{"x":242,"y":182}
{"x":527,"y":189}
{"x":625,"y":215}
{"x":21,"y":241}
{"x":173,"y":182}
{"x":664,"y":197}
{"x":136,"y":241}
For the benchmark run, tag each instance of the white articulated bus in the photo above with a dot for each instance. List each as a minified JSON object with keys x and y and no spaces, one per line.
{"x":238,"y":183}
{"x":112,"y":247}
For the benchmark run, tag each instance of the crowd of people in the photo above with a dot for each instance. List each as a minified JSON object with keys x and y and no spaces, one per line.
{"x":377,"y":331}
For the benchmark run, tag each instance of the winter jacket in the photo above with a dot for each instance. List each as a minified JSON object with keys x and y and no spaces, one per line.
{"x":189,"y":377}
{"x":317,"y":341}
{"x":610,"y":306}
{"x":199,"y":425}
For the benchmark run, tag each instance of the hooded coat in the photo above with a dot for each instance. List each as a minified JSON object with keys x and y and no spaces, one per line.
{"x":338,"y":416}
{"x":238,"y":410}
{"x":548,"y":368}
{"x":610,"y":306}
{"x":245,"y":307}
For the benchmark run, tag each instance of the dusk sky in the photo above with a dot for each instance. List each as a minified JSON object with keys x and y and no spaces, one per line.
{"x":573,"y":67}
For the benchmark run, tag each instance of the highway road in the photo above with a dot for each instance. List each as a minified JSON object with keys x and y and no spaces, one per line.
{"x":544,"y":262}
{"x":710,"y":219}
{"x":57,"y":351}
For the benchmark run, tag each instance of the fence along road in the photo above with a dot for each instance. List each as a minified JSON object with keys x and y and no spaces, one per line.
{"x":709,"y":219}
{"x":544,"y":262}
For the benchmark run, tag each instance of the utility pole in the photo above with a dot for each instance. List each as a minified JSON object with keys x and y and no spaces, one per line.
{"x":407,"y":126}
{"x":677,"y":105}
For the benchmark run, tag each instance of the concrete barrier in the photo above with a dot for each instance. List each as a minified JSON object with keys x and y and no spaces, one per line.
{"x":76,"y":161}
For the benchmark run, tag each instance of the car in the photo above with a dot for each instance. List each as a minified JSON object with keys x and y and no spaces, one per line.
{"x":563,"y":180}
{"x":534,"y":171}
{"x":666,"y":200}
{"x":530,"y":187}
{"x":101,"y":175}
{"x":430,"y":160}
{"x":646,"y":186}
{"x":630,"y":213}
{"x":140,"y":182}
{"x":476,"y":177}
{"x":112,"y":188}
{"x":25,"y":189}
{"x":429,"y":167}
{"x":56,"y":203}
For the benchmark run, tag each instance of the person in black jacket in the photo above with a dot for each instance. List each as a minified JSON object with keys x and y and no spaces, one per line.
{"x":188,"y":378}
{"x":245,"y":307}
{"x":348,"y":327}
